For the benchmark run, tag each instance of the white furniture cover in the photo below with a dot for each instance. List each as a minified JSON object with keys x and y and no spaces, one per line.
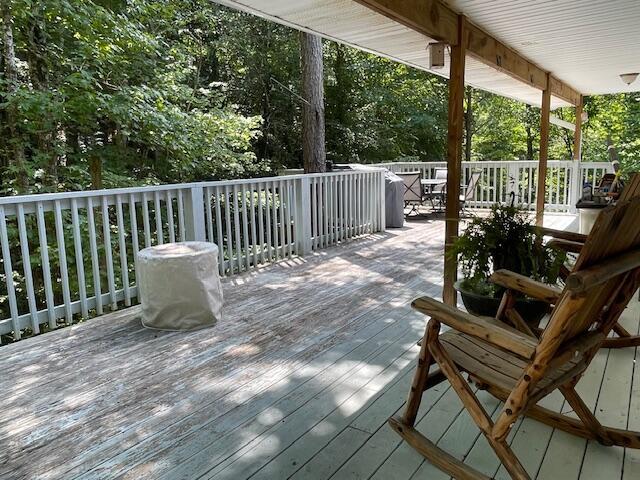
{"x":179,"y":286}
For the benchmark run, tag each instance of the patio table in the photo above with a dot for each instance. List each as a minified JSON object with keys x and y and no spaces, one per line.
{"x":429,"y":184}
{"x":179,"y":286}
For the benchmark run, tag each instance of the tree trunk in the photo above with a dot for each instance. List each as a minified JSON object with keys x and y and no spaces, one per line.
{"x":468,"y":125}
{"x":11,"y":75}
{"x":612,"y":153}
{"x":313,"y":134}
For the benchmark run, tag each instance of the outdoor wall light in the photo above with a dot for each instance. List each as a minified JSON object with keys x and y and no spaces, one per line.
{"x":629,"y":78}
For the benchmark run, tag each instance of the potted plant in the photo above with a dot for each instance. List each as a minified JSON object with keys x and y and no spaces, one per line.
{"x":504,"y":239}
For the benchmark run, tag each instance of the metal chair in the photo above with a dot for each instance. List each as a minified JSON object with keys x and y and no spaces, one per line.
{"x":413,"y":194}
{"x":437,"y":193}
{"x":469,"y":190}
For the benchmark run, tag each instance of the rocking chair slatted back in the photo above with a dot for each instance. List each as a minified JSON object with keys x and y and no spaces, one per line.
{"x":632,"y":188}
{"x":577,"y":315}
{"x":616,"y":232}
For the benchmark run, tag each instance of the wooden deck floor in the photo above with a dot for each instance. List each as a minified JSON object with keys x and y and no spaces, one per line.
{"x":296,"y":381}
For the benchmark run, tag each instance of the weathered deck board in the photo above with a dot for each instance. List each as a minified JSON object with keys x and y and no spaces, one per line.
{"x":297,"y":381}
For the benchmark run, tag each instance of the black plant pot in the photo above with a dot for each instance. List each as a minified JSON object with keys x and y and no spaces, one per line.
{"x":532,"y":311}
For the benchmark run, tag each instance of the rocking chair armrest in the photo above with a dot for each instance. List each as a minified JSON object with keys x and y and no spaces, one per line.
{"x":501,"y":336}
{"x":526,"y":285}
{"x":564,"y":234}
{"x":566,"y":245}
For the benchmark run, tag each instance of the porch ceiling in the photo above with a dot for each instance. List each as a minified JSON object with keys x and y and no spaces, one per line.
{"x":586,"y":44}
{"x":582,"y":46}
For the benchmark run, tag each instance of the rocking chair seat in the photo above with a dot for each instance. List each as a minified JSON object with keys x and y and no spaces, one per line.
{"x":492,"y":365}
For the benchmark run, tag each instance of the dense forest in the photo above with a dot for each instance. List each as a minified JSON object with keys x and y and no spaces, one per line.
{"x":112,"y":93}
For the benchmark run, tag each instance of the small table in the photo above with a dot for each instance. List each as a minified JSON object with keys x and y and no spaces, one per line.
{"x":179,"y":286}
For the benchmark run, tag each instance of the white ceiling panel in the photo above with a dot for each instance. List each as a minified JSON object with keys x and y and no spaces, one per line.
{"x":587,"y":44}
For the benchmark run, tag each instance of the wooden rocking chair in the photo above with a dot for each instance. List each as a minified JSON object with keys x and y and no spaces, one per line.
{"x":520,"y":369}
{"x":570,"y":242}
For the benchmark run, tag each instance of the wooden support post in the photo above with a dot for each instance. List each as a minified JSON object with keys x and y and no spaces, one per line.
{"x":575,"y":187}
{"x":577,"y":135}
{"x":454,"y":159}
{"x":544,"y":152}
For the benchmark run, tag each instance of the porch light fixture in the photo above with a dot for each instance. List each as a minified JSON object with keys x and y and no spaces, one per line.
{"x":436,"y":55}
{"x":629,"y":78}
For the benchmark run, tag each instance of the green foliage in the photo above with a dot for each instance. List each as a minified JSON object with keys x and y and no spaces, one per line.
{"x":150,"y":91}
{"x":119,"y":84}
{"x":504,"y":239}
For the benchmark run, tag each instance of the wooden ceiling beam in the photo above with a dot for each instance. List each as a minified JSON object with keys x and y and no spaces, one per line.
{"x":565,"y":92}
{"x":429,"y":17}
{"x":438,"y":21}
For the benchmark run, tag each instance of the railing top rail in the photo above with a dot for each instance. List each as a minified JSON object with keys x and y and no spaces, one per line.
{"x":481,"y":162}
{"x":45,"y":197}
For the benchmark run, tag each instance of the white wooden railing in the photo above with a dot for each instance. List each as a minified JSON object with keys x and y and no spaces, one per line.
{"x":68,"y":256}
{"x":499,"y":179}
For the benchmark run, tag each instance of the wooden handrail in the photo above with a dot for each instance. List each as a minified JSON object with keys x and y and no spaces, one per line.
{"x":565,"y":245}
{"x":583,"y":280}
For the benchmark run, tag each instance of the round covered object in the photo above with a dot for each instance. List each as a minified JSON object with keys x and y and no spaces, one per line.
{"x":179,"y":286}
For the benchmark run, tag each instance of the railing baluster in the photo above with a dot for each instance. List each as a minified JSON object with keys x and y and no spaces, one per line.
{"x":8,"y":273}
{"x":93,"y":247}
{"x":208,"y":213}
{"x":343,"y":195}
{"x":260,"y":213}
{"x":170,"y":222}
{"x":181,"y":226}
{"x":294,"y":216}
{"x":77,"y":245}
{"x":267,"y":227}
{"x":145,"y":220}
{"x":274,"y":214}
{"x":236,"y":227}
{"x":245,"y":229}
{"x":334,"y":209}
{"x":133,"y":219}
{"x":314,"y":209}
{"x":106,"y":232}
{"x":158,"y":212}
{"x":360,"y":203}
{"x":124,"y":264}
{"x":26,"y":265}
{"x":227,"y":215}
{"x":254,"y":238}
{"x":219,"y":230}
{"x":46,"y":268}
{"x":62,"y":255}
{"x":289,"y":208}
{"x":282,"y":197}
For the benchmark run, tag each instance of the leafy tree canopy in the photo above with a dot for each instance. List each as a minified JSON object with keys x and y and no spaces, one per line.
{"x":126,"y":92}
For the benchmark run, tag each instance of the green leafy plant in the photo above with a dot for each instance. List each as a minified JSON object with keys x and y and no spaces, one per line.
{"x":504,"y":239}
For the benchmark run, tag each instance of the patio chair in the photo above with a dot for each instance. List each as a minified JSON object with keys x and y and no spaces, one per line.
{"x":437,"y":193}
{"x":413,"y":194}
{"x":570,"y":242}
{"x":520,"y":369}
{"x":469,"y":189}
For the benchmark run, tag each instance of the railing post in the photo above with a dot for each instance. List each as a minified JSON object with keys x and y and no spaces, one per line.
{"x":194,"y":219}
{"x":302,"y":221}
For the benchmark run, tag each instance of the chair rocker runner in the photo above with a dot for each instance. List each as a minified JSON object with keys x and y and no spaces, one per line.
{"x":520,"y":369}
